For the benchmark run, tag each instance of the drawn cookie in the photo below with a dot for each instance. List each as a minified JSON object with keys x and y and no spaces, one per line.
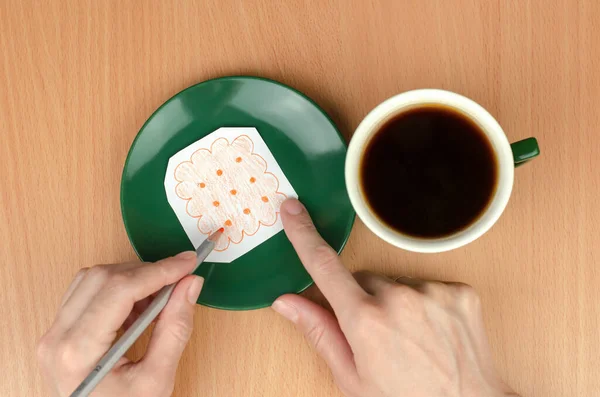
{"x":228,"y":186}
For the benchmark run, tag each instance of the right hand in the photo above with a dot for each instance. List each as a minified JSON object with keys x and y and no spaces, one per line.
{"x":408,"y":338}
{"x":106,"y":298}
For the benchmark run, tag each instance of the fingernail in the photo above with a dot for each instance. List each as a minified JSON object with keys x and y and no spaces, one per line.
{"x":293,"y":206}
{"x":186,"y":255}
{"x":286,"y":310}
{"x":194,"y":289}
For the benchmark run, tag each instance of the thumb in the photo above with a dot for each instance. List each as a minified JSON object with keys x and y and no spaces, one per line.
{"x":173,"y":329}
{"x":323,"y":332}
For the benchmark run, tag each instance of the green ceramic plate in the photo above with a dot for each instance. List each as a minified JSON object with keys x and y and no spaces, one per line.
{"x":301,"y":137}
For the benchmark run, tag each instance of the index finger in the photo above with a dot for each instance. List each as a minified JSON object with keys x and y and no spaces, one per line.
{"x":320,"y":260}
{"x":126,"y":284}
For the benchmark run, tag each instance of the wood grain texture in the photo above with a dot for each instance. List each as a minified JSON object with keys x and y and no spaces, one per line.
{"x":78,"y":79}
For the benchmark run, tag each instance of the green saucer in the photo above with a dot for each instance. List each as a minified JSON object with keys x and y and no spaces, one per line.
{"x":303,"y":140}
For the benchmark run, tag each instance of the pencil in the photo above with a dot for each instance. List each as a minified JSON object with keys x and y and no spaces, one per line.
{"x":117,"y":351}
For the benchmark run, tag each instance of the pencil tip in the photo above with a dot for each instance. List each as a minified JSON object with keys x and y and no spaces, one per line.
{"x":215,"y":236}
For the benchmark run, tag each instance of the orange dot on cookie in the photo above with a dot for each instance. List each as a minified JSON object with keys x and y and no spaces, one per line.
{"x":265,"y":199}
{"x":238,"y":160}
{"x":233,"y":192}
{"x":252,"y":180}
{"x":216,"y":203}
{"x":228,"y":223}
{"x":219,"y":172}
{"x":247,"y":211}
{"x":202,"y":185}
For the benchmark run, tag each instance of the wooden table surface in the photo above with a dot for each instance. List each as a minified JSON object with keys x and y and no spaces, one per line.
{"x":79,"y":78}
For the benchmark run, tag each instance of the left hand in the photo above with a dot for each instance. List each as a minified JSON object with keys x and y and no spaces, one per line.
{"x":389,"y":338}
{"x":100,"y":301}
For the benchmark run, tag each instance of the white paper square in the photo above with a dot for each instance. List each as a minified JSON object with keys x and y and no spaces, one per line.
{"x":228,"y":179}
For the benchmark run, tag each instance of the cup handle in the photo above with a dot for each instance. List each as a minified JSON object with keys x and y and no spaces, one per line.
{"x":524,"y":150}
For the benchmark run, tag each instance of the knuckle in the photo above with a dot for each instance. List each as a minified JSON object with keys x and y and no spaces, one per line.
{"x":467,"y":293}
{"x":98,"y":272}
{"x":315,"y":334}
{"x":161,"y":269}
{"x":326,"y":259}
{"x":408,"y":297}
{"x":181,"y":330}
{"x":124,"y":275}
{"x":435,"y":288}
{"x":114,"y":290}
{"x":82,"y":272}
{"x":406,"y":293}
{"x":304,"y":225}
{"x":117,"y":283}
{"x":68,"y":357}
{"x":464,"y":289}
{"x":164,"y":271}
{"x":118,"y":280}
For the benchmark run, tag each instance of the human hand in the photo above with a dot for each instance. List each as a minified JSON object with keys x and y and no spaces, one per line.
{"x":409,"y":338}
{"x":100,"y":301}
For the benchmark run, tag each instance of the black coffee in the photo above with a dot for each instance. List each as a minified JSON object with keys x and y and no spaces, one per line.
{"x":429,"y":172}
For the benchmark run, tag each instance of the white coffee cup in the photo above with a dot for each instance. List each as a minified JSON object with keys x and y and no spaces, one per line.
{"x":502,"y":149}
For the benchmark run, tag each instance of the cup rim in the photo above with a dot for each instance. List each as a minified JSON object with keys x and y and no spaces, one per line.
{"x":420,"y":97}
